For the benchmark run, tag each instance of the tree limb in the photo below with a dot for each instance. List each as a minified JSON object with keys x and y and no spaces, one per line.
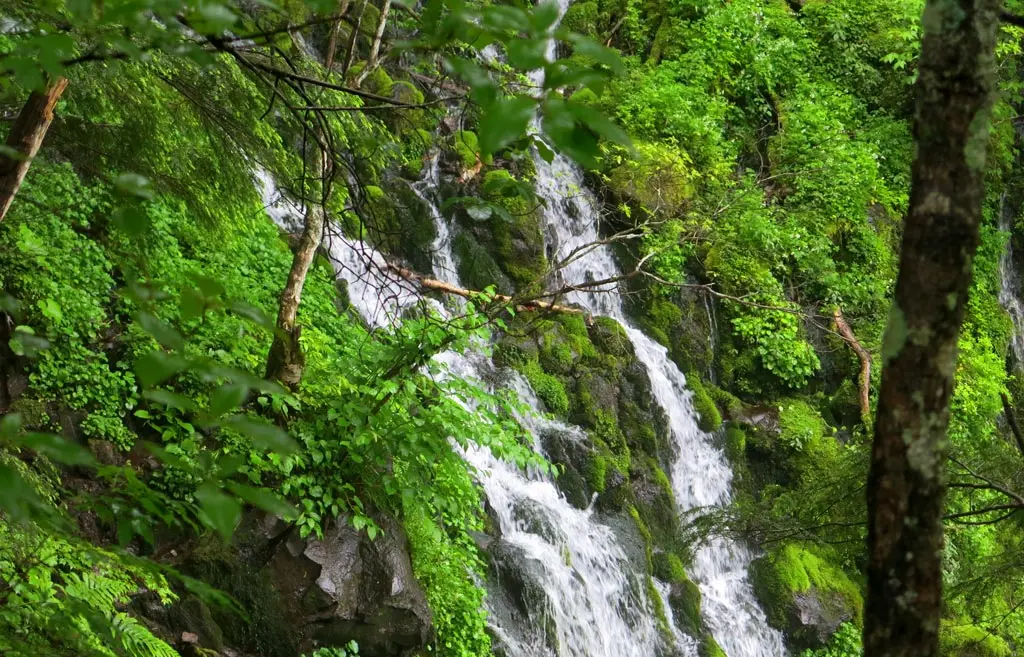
{"x":865,"y":361}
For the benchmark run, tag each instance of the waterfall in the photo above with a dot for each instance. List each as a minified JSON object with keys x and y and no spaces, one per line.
{"x":590,"y":596}
{"x":701,"y":475}
{"x":373,"y":290}
{"x":1009,"y":289}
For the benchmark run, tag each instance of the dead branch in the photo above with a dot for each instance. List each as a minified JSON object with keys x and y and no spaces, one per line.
{"x":522,"y":305}
{"x":25,"y":139}
{"x":865,"y":361}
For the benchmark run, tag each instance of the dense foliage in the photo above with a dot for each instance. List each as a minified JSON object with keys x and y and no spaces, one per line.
{"x":753,"y":158}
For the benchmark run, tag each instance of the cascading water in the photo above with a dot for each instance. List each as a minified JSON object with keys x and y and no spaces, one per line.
{"x":701,"y":476}
{"x":590,"y":598}
{"x":1009,"y":289}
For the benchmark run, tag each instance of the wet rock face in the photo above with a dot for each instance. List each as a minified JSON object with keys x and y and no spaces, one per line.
{"x":364,"y":590}
{"x":303,"y":594}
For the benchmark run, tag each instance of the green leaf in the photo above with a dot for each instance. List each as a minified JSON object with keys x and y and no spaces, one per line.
{"x":480,"y":211}
{"x":10,"y":424}
{"x":263,"y":434}
{"x":132,"y":184}
{"x":544,"y":16}
{"x":26,"y":343}
{"x":161,"y":330}
{"x":221,"y":511}
{"x":598,"y":122}
{"x":56,"y":448}
{"x":264,"y":499}
{"x":601,"y":54}
{"x":156,"y":367}
{"x":132,"y":219}
{"x":211,"y":288}
{"x":227,"y":397}
{"x":253,"y":314}
{"x":527,"y":54}
{"x":504,"y":122}
{"x":170,"y":399}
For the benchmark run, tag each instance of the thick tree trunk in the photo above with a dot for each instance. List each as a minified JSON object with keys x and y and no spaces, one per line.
{"x":25,"y":138}
{"x":906,"y":485}
{"x":371,"y":62}
{"x":285,"y":362}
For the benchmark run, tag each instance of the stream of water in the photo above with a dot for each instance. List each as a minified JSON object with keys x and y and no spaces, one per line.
{"x":1009,"y":289}
{"x":701,"y":476}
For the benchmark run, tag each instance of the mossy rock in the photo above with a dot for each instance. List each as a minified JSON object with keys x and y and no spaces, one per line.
{"x":710,"y":648}
{"x":804,"y":595}
{"x":477,"y":267}
{"x":549,"y":388}
{"x":467,"y":148}
{"x":685,"y":600}
{"x":609,"y":336}
{"x":709,"y":418}
{"x":800,"y":425}
{"x":970,"y":641}
{"x":668,"y":567}
{"x":581,"y":17}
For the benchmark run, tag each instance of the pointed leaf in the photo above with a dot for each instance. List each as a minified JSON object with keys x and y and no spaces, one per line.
{"x":221,"y":511}
{"x":504,"y":122}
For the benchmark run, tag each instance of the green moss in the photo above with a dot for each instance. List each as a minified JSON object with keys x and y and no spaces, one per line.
{"x":656,"y":177}
{"x":467,"y":147}
{"x":799,"y":424}
{"x":668,"y":567}
{"x":597,"y":473}
{"x":477,"y":267}
{"x":686,"y":603}
{"x":725,"y":400}
{"x":32,"y":411}
{"x":970,"y":641}
{"x":710,"y":648}
{"x":735,"y":444}
{"x":710,"y":418}
{"x":659,"y":611}
{"x":792,"y":569}
{"x":581,"y":17}
{"x":548,"y":388}
{"x":609,"y":336}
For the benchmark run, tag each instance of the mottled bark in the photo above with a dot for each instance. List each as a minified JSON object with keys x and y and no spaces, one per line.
{"x":285,"y":362}
{"x":906,"y":487}
{"x":25,"y":138}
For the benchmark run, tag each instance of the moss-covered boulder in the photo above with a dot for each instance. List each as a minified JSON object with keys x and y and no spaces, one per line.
{"x":805,"y":595}
{"x":709,"y":417}
{"x":967,"y":640}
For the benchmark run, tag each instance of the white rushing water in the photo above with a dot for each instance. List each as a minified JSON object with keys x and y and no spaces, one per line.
{"x":1009,"y":289}
{"x":375,"y":292}
{"x":592,"y":600}
{"x":701,"y":475}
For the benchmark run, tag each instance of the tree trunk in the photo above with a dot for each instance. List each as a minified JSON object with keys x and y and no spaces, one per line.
{"x":350,"y":52}
{"x":371,"y":62}
{"x":285,"y":362}
{"x":906,"y":485}
{"x":25,"y":138}
{"x":332,"y":42}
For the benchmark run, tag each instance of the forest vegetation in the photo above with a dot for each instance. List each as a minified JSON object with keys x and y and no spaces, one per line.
{"x":240,"y":240}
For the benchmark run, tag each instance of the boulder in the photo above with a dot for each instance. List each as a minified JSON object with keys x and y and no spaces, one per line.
{"x":300,"y":594}
{"x":804,"y":595}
